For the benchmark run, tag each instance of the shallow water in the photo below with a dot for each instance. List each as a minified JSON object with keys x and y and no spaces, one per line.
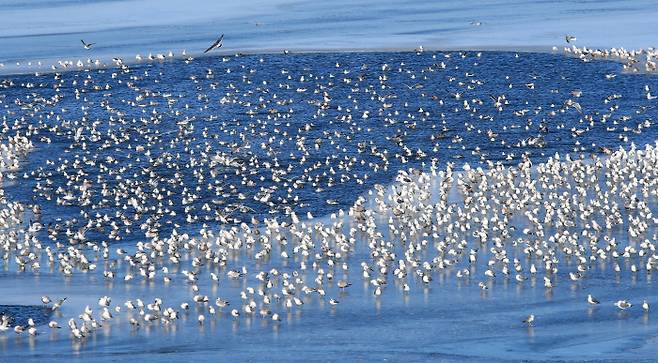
{"x":449,"y":319}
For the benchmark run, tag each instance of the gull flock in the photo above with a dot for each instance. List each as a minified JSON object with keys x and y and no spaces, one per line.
{"x":204,"y":202}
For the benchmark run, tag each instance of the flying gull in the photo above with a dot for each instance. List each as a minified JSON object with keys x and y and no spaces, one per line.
{"x":217,"y":44}
{"x":87,"y":45}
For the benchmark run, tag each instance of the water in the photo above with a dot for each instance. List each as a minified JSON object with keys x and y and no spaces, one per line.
{"x":451,"y":319}
{"x":238,"y":127}
{"x":419,"y":106}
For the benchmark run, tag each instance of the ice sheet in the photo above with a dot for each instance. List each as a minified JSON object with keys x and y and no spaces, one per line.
{"x":47,"y":31}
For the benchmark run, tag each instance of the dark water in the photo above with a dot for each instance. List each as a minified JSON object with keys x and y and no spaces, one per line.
{"x":256,"y":124}
{"x":20,"y":313}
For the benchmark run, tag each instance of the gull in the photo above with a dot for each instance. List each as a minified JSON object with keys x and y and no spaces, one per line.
{"x":592,"y":300}
{"x":4,"y":325}
{"x":569,"y":38}
{"x":45,"y":300}
{"x":216,"y":44}
{"x":547,"y":283}
{"x":645,"y":305}
{"x":415,"y":86}
{"x":58,"y":304}
{"x":574,"y":276}
{"x":623,"y":304}
{"x":342,"y":284}
{"x":530,"y":319}
{"x":106,"y":315}
{"x":574,"y":104}
{"x":264,"y":312}
{"x":221,"y":303}
{"x":77,"y":333}
{"x":87,"y":45}
{"x":104,"y":301}
{"x":72,"y":325}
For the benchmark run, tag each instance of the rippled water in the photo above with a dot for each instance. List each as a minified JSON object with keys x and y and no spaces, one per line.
{"x":224,"y":122}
